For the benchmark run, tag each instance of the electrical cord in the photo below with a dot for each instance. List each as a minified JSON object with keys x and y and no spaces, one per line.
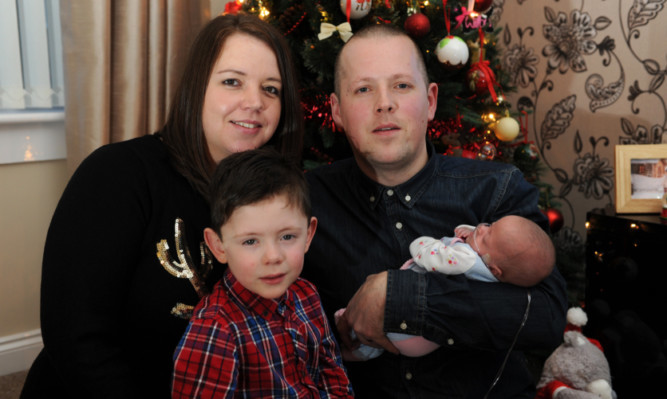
{"x":509,"y":350}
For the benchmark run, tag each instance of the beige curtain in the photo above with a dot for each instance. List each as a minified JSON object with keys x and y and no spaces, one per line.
{"x":122,"y":62}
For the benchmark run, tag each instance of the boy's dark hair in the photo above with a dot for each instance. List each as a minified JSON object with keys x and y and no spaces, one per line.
{"x":248,"y":177}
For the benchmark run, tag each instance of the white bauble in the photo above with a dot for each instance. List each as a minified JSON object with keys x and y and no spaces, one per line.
{"x":358,"y":8}
{"x":507,"y":128}
{"x":452,"y":51}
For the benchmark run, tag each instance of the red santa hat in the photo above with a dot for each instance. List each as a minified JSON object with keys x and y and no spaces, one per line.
{"x":576,"y":320}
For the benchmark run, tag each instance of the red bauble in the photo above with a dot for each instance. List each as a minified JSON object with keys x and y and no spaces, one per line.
{"x":555,"y":219}
{"x":480,"y":79}
{"x":482,"y":6}
{"x":233,"y":7}
{"x":468,"y":154}
{"x":417,"y":25}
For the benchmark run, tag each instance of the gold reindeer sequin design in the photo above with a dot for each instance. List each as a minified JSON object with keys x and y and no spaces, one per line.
{"x":185,"y":267}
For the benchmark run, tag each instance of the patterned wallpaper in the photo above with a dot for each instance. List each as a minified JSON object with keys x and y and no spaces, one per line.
{"x":590,"y":74}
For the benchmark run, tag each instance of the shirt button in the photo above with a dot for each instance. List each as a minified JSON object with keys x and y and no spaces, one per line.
{"x":408,"y":198}
{"x":399,"y":225}
{"x":450,"y":341}
{"x":372,"y":198}
{"x":390,"y":192}
{"x":404,"y":326}
{"x":408,"y":376}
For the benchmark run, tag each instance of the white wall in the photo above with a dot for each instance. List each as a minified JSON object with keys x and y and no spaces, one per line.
{"x":29,"y":194}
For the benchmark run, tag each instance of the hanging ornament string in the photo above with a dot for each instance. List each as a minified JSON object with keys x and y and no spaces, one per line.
{"x":445,"y":11}
{"x":523,"y":128}
{"x":484,"y":66}
{"x":523,"y":119}
{"x":348,"y":8}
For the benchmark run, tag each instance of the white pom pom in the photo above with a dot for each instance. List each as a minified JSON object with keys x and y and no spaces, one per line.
{"x":600,"y":388}
{"x":577,"y":317}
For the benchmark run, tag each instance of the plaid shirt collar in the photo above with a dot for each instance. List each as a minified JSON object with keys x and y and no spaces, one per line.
{"x":269,"y":309}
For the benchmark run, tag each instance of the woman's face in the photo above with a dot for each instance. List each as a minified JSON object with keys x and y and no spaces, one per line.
{"x":242,"y":101}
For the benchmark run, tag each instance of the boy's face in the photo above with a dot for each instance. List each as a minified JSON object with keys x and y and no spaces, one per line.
{"x":264,"y":244}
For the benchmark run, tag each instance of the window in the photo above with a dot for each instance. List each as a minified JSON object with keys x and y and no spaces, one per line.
{"x":31,"y":81}
{"x":31,"y":75}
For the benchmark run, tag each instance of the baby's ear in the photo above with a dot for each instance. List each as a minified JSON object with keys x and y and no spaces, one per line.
{"x":214,"y":243}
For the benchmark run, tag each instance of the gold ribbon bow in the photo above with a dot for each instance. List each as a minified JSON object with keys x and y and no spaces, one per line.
{"x":327,"y":29}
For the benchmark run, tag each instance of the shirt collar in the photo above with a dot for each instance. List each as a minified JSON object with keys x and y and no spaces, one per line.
{"x":408,"y":193}
{"x":266,"y":308}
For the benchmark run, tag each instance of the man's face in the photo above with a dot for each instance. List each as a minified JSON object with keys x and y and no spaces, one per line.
{"x":384,"y":106}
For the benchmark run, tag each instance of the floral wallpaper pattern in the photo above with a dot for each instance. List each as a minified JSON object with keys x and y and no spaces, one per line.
{"x":589,"y":74}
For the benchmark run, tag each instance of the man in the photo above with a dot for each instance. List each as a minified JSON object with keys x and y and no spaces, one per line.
{"x":395,"y":189}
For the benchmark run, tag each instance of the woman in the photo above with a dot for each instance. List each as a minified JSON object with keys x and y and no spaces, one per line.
{"x":113,"y":308}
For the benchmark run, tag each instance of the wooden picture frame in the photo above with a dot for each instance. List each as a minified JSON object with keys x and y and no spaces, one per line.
{"x":638,"y":177}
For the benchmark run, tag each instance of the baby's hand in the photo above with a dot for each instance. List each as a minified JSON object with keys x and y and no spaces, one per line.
{"x":463,"y":231}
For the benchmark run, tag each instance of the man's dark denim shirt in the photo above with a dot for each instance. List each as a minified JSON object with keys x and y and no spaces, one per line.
{"x":366,"y":228}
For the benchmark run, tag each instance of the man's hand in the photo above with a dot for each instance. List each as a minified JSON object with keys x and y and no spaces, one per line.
{"x":365,"y":315}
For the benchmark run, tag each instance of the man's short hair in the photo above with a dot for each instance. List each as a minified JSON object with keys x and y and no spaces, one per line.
{"x":379,"y":30}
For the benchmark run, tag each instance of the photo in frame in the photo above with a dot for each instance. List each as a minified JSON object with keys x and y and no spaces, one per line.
{"x":641,"y":177}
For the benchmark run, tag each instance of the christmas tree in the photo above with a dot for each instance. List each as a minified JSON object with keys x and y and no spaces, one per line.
{"x":459,"y":46}
{"x":458,"y":42}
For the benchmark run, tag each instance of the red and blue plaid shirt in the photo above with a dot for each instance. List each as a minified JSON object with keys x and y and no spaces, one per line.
{"x":239,"y":344}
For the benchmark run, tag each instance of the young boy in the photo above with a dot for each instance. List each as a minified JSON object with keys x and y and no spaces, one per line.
{"x":262,"y":332}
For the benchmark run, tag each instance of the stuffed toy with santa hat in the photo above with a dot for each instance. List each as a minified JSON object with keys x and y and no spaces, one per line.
{"x":578,"y":368}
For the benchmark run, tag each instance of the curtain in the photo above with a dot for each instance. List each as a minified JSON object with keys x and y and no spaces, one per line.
{"x":122,"y":62}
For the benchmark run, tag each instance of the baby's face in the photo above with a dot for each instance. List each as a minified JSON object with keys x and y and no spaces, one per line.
{"x":481,"y":241}
{"x":491,"y":241}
